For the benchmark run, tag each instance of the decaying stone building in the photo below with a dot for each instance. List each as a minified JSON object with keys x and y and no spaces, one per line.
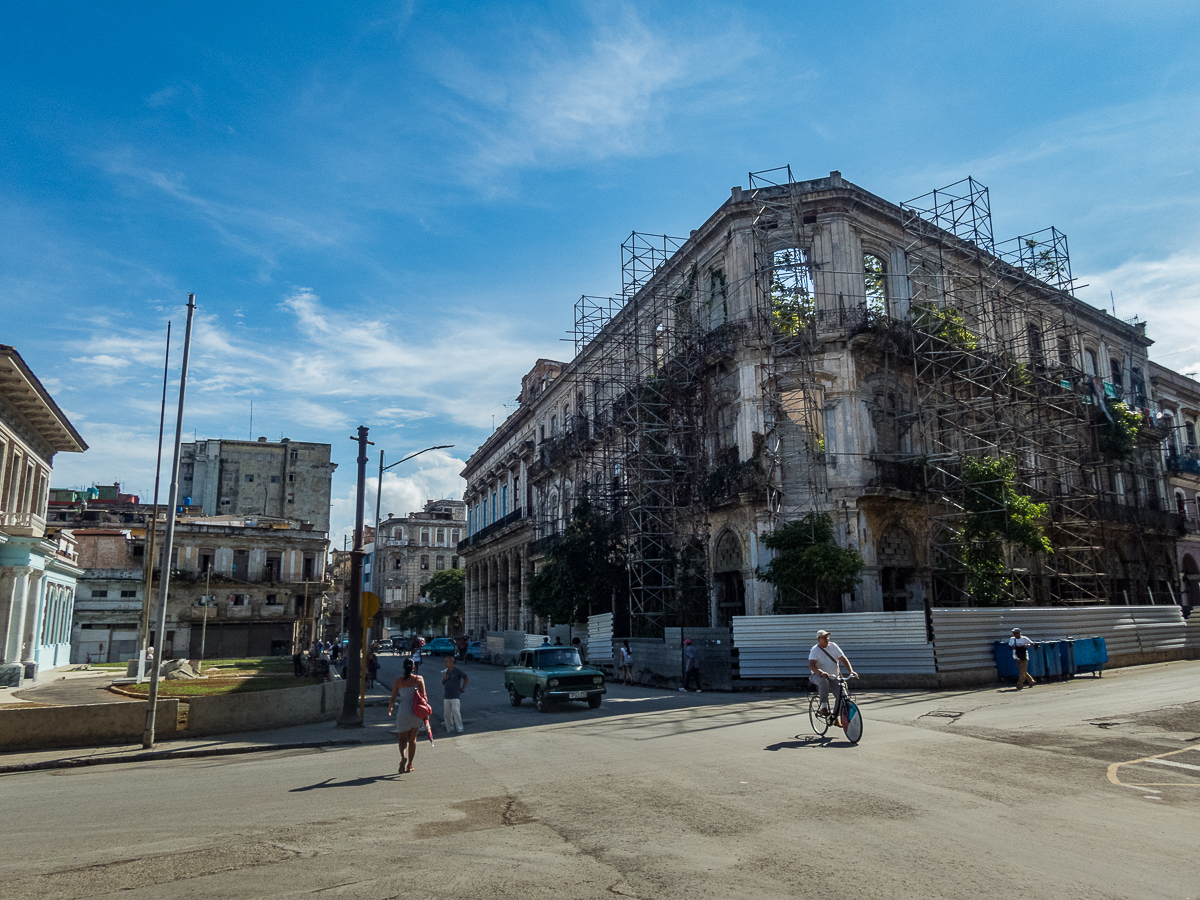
{"x":815,"y":348}
{"x":286,"y":479}
{"x":1178,"y":399}
{"x":266,"y":593}
{"x":408,"y":551}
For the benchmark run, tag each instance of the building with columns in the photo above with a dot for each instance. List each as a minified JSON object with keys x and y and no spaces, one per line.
{"x":1178,"y":398}
{"x":37,"y":574}
{"x":813,"y":348}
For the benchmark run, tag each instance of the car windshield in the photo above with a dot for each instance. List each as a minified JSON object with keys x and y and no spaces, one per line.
{"x":564,"y":657}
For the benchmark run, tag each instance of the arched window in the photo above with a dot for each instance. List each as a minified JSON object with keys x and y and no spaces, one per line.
{"x":1034,"y":335}
{"x":875,"y":284}
{"x":1090,"y":363}
{"x":1189,"y":429}
{"x":1180,"y":503}
{"x":1117,"y":382}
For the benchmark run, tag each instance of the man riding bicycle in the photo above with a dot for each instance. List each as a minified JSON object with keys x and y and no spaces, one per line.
{"x":824,"y":661}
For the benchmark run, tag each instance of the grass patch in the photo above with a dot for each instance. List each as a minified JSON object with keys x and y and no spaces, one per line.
{"x":212,"y":687}
{"x":253,"y":664}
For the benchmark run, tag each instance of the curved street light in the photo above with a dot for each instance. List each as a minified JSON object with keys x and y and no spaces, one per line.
{"x":383,"y":468}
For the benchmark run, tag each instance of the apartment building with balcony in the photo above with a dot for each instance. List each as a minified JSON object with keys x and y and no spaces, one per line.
{"x":37,"y":573}
{"x":245,"y":586}
{"x":409,"y":550}
{"x":1178,"y":398}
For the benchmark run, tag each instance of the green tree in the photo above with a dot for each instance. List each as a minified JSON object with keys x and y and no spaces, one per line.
{"x":809,"y":563}
{"x":583,"y":567}
{"x":446,"y":592}
{"x":997,"y":513}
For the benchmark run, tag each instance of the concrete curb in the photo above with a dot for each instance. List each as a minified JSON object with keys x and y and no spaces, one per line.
{"x":154,"y":755}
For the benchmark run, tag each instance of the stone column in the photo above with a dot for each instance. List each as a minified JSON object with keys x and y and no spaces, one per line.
{"x":523,"y":596}
{"x":514,"y":597}
{"x":35,"y":608}
{"x":14,"y":586}
{"x":491,"y":594}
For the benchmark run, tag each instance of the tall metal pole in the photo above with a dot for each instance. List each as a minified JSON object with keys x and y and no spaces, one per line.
{"x":207,"y":601}
{"x":149,"y":549}
{"x":350,"y":717}
{"x":164,"y":579}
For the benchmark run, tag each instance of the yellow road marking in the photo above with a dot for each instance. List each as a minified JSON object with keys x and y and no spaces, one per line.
{"x":1160,"y":760}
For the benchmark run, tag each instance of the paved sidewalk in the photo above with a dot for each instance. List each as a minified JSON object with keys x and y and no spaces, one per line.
{"x":374,"y":731}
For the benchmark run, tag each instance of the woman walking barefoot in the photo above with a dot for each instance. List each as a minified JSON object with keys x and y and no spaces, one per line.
{"x":403,"y":691}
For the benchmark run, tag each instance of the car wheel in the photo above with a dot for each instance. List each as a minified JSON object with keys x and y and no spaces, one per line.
{"x":540,"y":700}
{"x":513,"y":697}
{"x":594,"y":701}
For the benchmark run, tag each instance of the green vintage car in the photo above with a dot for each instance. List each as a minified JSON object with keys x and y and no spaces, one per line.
{"x":550,"y":675}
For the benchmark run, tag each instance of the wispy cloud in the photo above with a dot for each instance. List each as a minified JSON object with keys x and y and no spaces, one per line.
{"x":549,"y":101}
{"x":1165,"y":293}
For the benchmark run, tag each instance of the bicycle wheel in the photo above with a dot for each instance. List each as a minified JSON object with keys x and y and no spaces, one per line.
{"x":854,"y":722}
{"x":819,"y":723}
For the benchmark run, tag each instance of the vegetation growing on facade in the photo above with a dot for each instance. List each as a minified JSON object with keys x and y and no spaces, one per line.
{"x":1118,"y":435}
{"x":997,"y":514}
{"x":792,"y":305}
{"x":809,"y":568}
{"x":947,"y":324}
{"x":584,"y":567}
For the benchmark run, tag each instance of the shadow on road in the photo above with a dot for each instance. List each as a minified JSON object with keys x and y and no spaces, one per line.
{"x":365,"y":781}
{"x":807,"y":741}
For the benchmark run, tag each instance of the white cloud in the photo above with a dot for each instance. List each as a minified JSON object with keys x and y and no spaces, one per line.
{"x":545,"y":101}
{"x":1163,"y":292}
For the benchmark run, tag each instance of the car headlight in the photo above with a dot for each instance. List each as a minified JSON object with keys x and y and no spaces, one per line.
{"x":598,"y":680}
{"x":553,"y":682}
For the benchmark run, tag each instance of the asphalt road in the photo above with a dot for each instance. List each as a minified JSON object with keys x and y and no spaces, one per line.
{"x":1085,"y":789}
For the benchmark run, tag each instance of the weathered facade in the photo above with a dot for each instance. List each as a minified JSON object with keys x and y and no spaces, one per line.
{"x":266,"y":592}
{"x":37,"y":573}
{"x":287,"y":479}
{"x":1178,"y":399}
{"x":815,"y":348}
{"x":408,"y":551}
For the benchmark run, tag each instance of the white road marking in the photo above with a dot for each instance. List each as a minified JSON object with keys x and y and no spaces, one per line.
{"x":1172,"y":763}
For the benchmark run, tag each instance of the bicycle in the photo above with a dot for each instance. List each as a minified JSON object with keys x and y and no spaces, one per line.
{"x":845,"y":713}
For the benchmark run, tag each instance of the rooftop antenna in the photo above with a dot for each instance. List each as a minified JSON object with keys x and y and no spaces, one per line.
{"x":251,"y":437}
{"x":1113,"y":302}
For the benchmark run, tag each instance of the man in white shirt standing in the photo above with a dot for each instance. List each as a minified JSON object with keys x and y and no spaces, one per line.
{"x":1020,"y":648}
{"x":824,"y":661}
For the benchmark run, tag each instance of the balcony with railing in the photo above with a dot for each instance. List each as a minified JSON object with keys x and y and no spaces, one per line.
{"x":488,"y":530}
{"x":1184,"y":463}
{"x":22,"y":524}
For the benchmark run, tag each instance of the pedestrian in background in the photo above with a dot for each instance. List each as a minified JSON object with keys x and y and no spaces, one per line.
{"x":626,"y":660}
{"x":578,"y":645}
{"x":1020,"y":648}
{"x":454,"y":682}
{"x":691,"y":666}
{"x":407,"y":723}
{"x":416,"y":654}
{"x":372,"y":668}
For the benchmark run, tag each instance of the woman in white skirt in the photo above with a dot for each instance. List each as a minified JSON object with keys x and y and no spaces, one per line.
{"x":403,"y":691}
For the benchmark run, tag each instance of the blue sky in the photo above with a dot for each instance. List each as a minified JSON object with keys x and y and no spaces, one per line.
{"x":387,"y":210}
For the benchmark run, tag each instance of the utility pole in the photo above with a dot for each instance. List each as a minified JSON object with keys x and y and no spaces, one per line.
{"x":207,"y":601}
{"x":350,"y":717}
{"x":149,"y":547}
{"x":165,"y":578}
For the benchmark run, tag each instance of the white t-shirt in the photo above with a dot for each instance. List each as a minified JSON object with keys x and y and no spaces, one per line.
{"x":825,"y":663}
{"x":1021,"y":641}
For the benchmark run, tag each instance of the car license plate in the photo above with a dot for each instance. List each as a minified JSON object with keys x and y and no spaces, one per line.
{"x":578,"y":695}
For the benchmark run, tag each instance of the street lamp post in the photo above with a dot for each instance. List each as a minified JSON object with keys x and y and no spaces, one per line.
{"x":379,"y":495}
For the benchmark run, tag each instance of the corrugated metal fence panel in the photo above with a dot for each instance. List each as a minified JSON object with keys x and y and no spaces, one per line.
{"x":534,"y":640}
{"x":600,"y":639}
{"x":877,"y":643}
{"x":1161,"y":628}
{"x":495,"y":645}
{"x":963,"y":637}
{"x":1193,"y":632}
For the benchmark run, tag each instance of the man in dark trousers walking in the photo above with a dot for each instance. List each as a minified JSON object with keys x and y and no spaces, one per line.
{"x":691,"y":666}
